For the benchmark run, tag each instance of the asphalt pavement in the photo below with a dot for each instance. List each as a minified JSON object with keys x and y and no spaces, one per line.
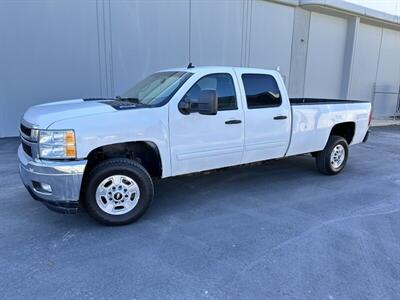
{"x":273,"y":230}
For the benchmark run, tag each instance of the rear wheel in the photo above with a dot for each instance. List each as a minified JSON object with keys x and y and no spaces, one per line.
{"x":118,"y":192}
{"x":333,"y":158}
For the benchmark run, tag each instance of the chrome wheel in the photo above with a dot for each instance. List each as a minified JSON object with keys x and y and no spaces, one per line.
{"x":117,"y":194}
{"x":337,"y":156}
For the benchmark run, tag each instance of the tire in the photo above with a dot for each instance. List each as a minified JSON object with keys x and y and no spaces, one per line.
{"x":118,"y":192}
{"x":333,"y":166}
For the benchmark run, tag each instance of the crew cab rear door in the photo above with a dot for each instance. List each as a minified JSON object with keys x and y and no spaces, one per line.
{"x":267,"y":114}
{"x":203,"y":142}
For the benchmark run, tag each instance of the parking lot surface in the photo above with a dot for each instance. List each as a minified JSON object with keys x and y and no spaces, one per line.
{"x":277,"y":230}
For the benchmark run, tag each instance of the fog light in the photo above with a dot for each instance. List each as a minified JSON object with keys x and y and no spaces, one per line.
{"x":46,"y":187}
{"x":42,"y":187}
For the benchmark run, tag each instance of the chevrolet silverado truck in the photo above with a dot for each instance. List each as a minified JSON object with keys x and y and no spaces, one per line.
{"x":105,"y":152}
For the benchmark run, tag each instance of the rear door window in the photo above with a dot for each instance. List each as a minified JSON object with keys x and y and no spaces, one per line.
{"x":261,"y":91}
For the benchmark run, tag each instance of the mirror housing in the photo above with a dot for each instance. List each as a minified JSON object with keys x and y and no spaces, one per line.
{"x":206,"y":105}
{"x":185,"y":106}
{"x":208,"y":102}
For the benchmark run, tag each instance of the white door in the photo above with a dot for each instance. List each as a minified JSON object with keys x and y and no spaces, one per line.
{"x":202,"y":142}
{"x":267,"y":115}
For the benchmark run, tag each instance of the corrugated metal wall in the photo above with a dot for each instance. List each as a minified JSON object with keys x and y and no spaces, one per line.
{"x":53,"y":50}
{"x":377,"y":68}
{"x":325,"y":57}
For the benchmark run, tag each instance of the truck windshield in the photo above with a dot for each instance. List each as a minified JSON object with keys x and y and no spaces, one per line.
{"x":157,"y":89}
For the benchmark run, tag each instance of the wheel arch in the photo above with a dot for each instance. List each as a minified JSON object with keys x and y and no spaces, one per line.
{"x":345,"y":129}
{"x":146,"y":153}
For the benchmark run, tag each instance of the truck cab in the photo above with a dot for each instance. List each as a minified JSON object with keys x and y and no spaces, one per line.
{"x":231,"y":134}
{"x":106,"y":152}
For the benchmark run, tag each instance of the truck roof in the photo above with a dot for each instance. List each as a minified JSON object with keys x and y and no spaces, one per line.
{"x":219,"y":69}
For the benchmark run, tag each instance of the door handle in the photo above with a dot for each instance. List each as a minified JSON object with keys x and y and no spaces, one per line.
{"x":233,"y":122}
{"x":280,"y":117}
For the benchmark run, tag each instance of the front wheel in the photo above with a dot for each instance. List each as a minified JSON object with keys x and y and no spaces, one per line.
{"x":118,"y":192}
{"x":333,"y":158}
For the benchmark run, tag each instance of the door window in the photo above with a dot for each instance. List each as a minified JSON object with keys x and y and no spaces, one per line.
{"x":224,"y":86}
{"x":261,"y":91}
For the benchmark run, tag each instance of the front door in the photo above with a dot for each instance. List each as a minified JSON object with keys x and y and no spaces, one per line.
{"x":202,"y":142}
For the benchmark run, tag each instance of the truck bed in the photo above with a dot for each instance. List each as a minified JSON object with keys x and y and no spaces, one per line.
{"x":313,"y":120}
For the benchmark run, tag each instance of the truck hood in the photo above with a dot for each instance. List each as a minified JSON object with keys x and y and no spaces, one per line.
{"x":43,"y":115}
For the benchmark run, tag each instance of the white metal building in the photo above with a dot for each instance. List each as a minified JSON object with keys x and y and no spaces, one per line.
{"x":69,"y":49}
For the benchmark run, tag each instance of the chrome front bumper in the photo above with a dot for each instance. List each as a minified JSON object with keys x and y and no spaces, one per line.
{"x":63,"y":177}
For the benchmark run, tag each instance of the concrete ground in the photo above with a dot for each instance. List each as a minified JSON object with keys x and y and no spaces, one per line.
{"x":276,"y":230}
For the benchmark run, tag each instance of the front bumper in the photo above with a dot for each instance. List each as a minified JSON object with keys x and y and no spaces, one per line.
{"x":64,"y":178}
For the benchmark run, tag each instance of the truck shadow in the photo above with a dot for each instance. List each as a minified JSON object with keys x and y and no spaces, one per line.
{"x":179,"y":197}
{"x":226,"y":186}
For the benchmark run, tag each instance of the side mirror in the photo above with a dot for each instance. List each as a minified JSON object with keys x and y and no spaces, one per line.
{"x":208,"y":102}
{"x":185,"y":106}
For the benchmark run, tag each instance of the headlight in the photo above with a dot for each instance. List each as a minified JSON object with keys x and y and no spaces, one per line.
{"x":57,"y":144}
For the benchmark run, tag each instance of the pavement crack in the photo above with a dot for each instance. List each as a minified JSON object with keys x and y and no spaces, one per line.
{"x":330,"y":222}
{"x":308,"y":232}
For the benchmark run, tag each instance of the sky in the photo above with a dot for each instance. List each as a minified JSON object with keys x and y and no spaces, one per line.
{"x":388,"y":6}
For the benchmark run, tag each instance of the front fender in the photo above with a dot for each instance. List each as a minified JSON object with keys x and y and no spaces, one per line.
{"x":145,"y":124}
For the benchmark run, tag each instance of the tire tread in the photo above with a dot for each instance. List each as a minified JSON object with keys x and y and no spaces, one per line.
{"x":323,"y":157}
{"x":103,"y":166}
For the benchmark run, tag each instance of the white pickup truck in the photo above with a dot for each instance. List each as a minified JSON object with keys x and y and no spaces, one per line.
{"x":105,"y":153}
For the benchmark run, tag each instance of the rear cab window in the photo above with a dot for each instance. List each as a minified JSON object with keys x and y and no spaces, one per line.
{"x":261,"y":90}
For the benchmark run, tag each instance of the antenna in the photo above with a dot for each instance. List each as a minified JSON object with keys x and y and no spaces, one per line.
{"x":278,"y":68}
{"x":190,"y":66}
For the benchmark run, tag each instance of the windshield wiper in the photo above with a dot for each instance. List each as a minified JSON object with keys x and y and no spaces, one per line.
{"x":132,"y":100}
{"x":136,"y":100}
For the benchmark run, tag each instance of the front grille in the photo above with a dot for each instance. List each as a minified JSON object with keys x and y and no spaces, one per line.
{"x":25,"y":130}
{"x":27,"y":149}
{"x":29,"y":140}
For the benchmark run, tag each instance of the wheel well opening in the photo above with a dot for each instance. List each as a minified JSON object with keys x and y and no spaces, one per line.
{"x":145,"y":153}
{"x":345,"y":130}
